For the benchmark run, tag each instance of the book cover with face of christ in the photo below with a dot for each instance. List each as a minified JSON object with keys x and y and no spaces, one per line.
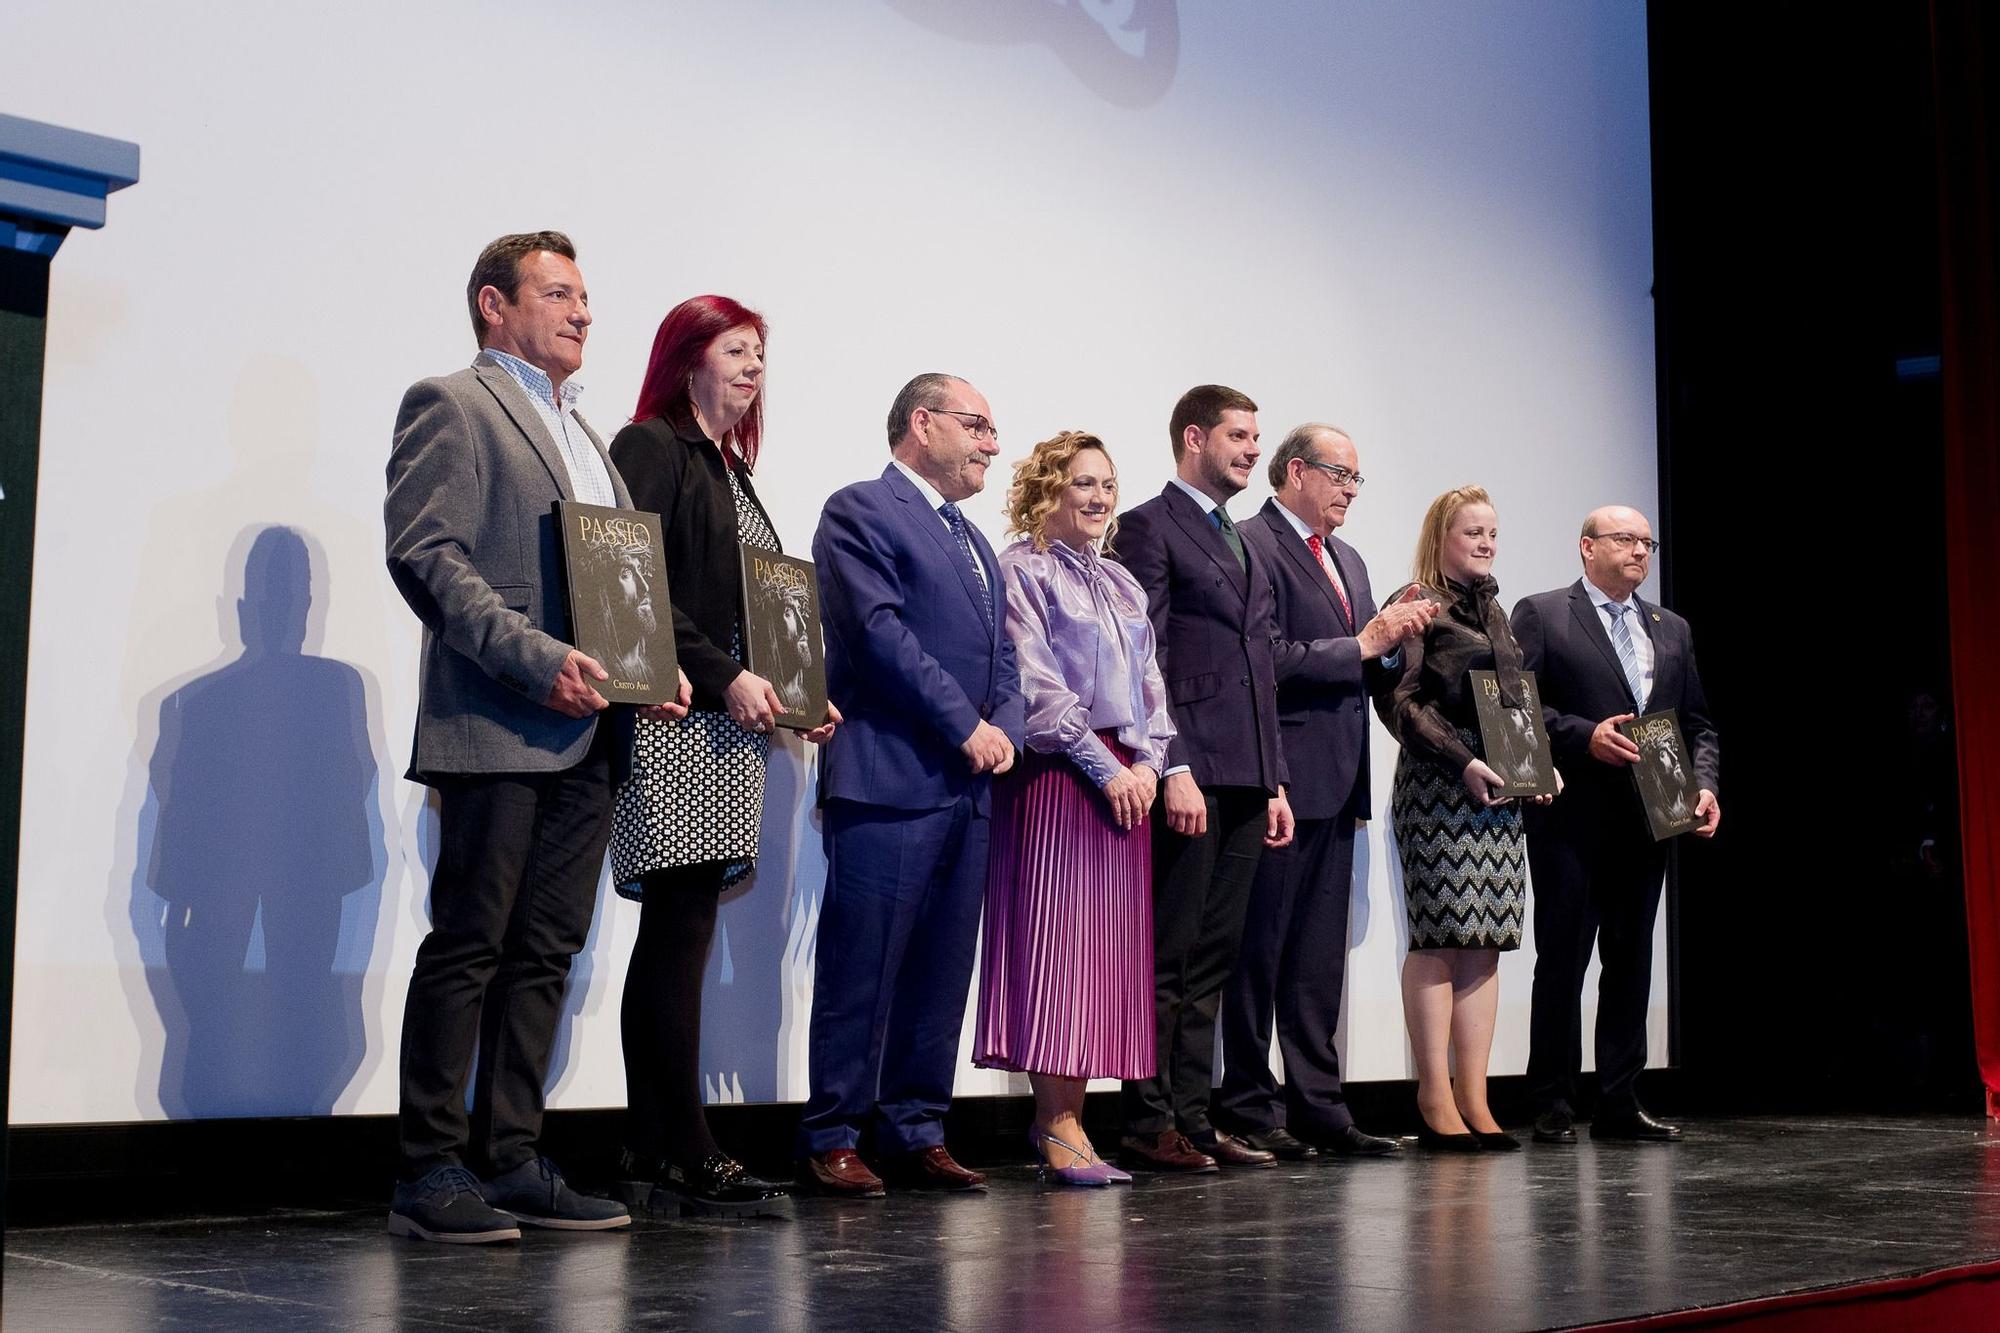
{"x":1663,"y":776}
{"x":619,"y":615}
{"x":1515,"y":740}
{"x":781,"y":638}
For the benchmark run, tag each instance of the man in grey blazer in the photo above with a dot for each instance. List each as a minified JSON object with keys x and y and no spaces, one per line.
{"x":510,"y":733}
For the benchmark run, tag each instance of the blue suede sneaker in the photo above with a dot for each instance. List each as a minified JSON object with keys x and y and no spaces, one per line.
{"x":535,"y":1193}
{"x":446,"y":1205}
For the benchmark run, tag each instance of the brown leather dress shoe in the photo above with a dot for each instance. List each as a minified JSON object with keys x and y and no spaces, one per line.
{"x":1229,"y":1150}
{"x":930,"y":1168}
{"x":1168,"y":1150}
{"x":840,"y":1173}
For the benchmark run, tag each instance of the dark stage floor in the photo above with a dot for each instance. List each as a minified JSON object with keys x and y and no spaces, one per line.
{"x":1546,"y":1236}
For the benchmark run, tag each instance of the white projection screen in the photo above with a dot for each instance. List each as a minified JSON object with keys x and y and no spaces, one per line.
{"x":1427,"y":222}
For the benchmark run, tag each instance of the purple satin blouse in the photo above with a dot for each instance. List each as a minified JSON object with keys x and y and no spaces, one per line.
{"x":1085,"y":648}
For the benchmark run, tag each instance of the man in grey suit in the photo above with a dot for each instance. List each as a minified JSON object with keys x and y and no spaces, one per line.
{"x":517,"y":744}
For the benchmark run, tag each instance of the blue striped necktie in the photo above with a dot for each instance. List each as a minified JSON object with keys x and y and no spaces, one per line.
{"x":956,"y":518}
{"x":1628,"y":656}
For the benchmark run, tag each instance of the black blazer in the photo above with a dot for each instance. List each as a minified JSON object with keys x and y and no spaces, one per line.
{"x":1213,"y":627}
{"x":682,"y":477}
{"x":1323,"y":681}
{"x":1563,"y":641}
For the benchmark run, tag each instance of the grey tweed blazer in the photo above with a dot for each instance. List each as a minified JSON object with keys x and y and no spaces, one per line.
{"x":472,"y":546}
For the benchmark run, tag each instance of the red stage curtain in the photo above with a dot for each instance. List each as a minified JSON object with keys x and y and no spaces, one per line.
{"x":1965,"y":34}
{"x":1952,"y":1298}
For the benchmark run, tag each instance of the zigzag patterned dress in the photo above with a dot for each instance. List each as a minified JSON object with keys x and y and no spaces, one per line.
{"x":1464,"y":865}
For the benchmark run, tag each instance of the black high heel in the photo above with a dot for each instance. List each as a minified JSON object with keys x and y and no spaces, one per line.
{"x":1430,"y":1138}
{"x":1498,"y":1141}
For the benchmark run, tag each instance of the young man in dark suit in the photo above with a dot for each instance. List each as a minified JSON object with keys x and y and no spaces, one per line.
{"x":1329,"y":656}
{"x":1222,"y":797}
{"x":1602,"y":655}
{"x":918,"y":659}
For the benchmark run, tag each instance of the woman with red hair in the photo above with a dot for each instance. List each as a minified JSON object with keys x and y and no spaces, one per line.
{"x":686,"y":822}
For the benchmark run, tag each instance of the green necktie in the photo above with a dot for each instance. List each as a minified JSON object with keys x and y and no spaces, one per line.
{"x":1232,"y":536}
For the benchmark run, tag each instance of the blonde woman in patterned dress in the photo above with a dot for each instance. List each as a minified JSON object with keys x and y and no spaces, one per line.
{"x":687,"y":820}
{"x":1460,"y":842}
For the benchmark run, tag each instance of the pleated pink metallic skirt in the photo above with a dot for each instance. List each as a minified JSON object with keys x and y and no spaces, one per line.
{"x":1066,"y":979}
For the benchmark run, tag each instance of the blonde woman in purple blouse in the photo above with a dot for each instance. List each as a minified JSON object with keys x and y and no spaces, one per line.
{"x":1066,"y":985}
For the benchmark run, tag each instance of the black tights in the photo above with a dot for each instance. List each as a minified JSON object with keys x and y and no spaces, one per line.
{"x":661,"y":1017}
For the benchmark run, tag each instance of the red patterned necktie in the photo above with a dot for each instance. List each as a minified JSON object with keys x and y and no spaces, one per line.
{"x":1319,"y":554}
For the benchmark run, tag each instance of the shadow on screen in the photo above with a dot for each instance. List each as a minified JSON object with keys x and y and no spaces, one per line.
{"x":1125,"y":51}
{"x":1398,"y":912}
{"x":751,"y":968}
{"x":260,"y":859}
{"x":1360,"y":913}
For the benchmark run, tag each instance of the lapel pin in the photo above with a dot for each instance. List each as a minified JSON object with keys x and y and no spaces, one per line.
{"x":1656,"y":617}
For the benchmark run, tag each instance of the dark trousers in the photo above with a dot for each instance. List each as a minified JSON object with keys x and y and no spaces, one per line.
{"x":1201,"y":888}
{"x":898,"y":929}
{"x":1293,"y":964}
{"x":1602,"y":887}
{"x":511,"y":900}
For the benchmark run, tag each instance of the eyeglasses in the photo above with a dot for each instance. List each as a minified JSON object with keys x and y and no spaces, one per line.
{"x":1624,"y":539}
{"x":1341,"y":476}
{"x":978,"y":427}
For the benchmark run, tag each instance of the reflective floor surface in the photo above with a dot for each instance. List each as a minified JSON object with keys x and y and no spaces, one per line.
{"x":1544,"y":1237}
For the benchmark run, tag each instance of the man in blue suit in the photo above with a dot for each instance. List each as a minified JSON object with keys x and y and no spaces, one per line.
{"x":1222,"y":797}
{"x":918,"y":659}
{"x":1333,"y":652}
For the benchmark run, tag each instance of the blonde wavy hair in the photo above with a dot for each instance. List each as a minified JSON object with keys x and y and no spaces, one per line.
{"x":1426,"y":568}
{"x":1039,"y":482}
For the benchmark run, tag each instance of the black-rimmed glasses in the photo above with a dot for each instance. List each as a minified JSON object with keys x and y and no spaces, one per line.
{"x":1341,"y":476}
{"x":978,"y":427}
{"x":1623,"y":539}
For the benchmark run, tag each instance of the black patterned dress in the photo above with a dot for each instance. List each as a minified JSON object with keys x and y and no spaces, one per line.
{"x":696,"y":794}
{"x":1464,"y":864}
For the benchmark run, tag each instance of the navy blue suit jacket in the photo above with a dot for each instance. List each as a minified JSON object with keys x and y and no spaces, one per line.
{"x":1213,"y":628}
{"x":1323,"y":681}
{"x":1563,"y":641}
{"x":911,"y":662}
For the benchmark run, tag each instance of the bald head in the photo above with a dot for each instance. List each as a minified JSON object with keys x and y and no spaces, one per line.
{"x":1616,"y":546}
